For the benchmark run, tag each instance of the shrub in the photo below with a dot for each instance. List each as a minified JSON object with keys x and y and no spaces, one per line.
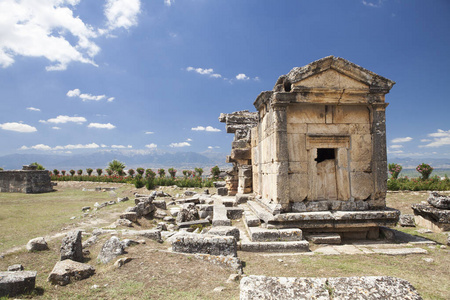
{"x":172,"y":172}
{"x":56,"y":172}
{"x":63,"y":172}
{"x":186,"y":173}
{"x":161,"y":173}
{"x":99,"y":171}
{"x":150,"y":174}
{"x":72,"y":172}
{"x":138,"y":182}
{"x":424,"y":170}
{"x":39,"y":166}
{"x":215,"y":171}
{"x":140,"y":171}
{"x":89,"y":171}
{"x":109,"y":171}
{"x":131,"y":172}
{"x":395,"y":170}
{"x":199,"y":171}
{"x":150,"y":185}
{"x":79,"y":172}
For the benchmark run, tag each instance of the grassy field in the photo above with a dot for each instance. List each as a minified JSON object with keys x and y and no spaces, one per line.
{"x":155,"y":273}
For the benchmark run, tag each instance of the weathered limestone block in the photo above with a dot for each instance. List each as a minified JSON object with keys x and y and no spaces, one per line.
{"x":17,"y":282}
{"x":187,"y":214}
{"x":71,"y":246}
{"x":222,"y":191}
{"x":370,"y":287}
{"x":68,"y":270}
{"x":124,"y":222}
{"x":131,"y":216}
{"x":111,"y":249}
{"x":37,"y":244}
{"x":161,"y":204}
{"x":431,"y":217}
{"x":225,"y":231}
{"x":15,"y":268}
{"x":243,"y":154}
{"x":361,"y":185}
{"x":439,"y":201}
{"x":406,"y":221}
{"x":148,"y":233}
{"x":206,"y":244}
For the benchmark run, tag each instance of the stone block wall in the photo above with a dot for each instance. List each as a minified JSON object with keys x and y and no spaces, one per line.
{"x":25,"y":181}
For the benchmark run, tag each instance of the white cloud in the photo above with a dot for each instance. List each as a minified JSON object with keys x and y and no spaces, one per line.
{"x":101,"y":126}
{"x":151,"y":146}
{"x":401,"y":140}
{"x":201,"y":71}
{"x":65,"y":119}
{"x":179,"y":145}
{"x":425,"y":140}
{"x":441,"y":138}
{"x":56,"y":128}
{"x":242,"y":77}
{"x":376,"y":4}
{"x":207,"y":128}
{"x":168,"y":2}
{"x":210,"y":147}
{"x":396,"y":146}
{"x":149,"y":132}
{"x":18,"y":127}
{"x":39,"y":29}
{"x":121,"y":146}
{"x":87,"y":97}
{"x":48,"y":148}
{"x":122,"y":13}
{"x":103,"y":146}
{"x":188,"y":140}
{"x":111,"y":99}
{"x":33,"y":109}
{"x":73,"y":93}
{"x":394,"y":152}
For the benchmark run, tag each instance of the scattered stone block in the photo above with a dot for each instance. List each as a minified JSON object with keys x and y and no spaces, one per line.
{"x":131,"y":216}
{"x":160,"y":204}
{"x":206,"y":244}
{"x":243,"y":198}
{"x":111,"y":249}
{"x":219,"y":184}
{"x":433,"y":218}
{"x":297,"y":246}
{"x":71,"y":246}
{"x":90,"y":241}
{"x":85,"y":208}
{"x":222,"y":191}
{"x":406,"y":221}
{"x":197,"y":222}
{"x":234,"y":213}
{"x":251,"y":220}
{"x":149,"y":234}
{"x":68,"y":270}
{"x":324,"y":238}
{"x":189,"y":193}
{"x":124,"y":222}
{"x":439,"y":201}
{"x":121,"y":261}
{"x":225,"y":231}
{"x":122,"y":199}
{"x":16,"y":282}
{"x":220,"y":217}
{"x":128,"y":242}
{"x":187,"y":214}
{"x":369,"y":287}
{"x":16,"y":267}
{"x":37,"y":244}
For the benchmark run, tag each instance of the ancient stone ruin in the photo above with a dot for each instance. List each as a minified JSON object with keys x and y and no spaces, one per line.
{"x":315,"y":153}
{"x":28,"y":180}
{"x":434,"y":215}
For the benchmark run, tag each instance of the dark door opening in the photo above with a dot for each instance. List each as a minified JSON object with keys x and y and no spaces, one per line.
{"x":325,"y":153}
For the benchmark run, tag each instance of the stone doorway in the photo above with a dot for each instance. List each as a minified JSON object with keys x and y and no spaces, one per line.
{"x":325,"y":177}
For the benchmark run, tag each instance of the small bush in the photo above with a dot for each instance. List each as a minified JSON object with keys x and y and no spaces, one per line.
{"x":131,"y":172}
{"x":56,"y":172}
{"x":72,"y":172}
{"x":99,"y":171}
{"x":138,"y":182}
{"x":424,"y":170}
{"x":161,"y":173}
{"x":395,"y":170}
{"x":89,"y":171}
{"x":140,"y":171}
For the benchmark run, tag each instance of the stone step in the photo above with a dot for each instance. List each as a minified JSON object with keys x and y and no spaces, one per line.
{"x":251,"y":220}
{"x":296,"y":246}
{"x":220,"y":217}
{"x":190,"y":223}
{"x":234,"y":213}
{"x":324,"y":238}
{"x":258,"y":234}
{"x":260,"y":211}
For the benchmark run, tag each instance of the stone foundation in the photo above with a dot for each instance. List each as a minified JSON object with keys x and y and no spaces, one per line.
{"x":25,"y":181}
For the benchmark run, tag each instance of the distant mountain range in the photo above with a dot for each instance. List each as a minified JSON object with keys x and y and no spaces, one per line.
{"x":412,"y":163}
{"x":132,"y":159}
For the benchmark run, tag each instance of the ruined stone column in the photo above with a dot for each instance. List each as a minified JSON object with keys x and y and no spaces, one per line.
{"x":379,"y":159}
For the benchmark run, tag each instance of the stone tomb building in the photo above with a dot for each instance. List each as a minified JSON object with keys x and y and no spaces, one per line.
{"x":27,"y":180}
{"x":318,"y":151}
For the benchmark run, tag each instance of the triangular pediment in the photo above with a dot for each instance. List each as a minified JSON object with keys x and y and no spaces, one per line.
{"x":334,"y":72}
{"x":331,"y":79}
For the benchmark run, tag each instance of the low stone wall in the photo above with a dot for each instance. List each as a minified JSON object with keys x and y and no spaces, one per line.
{"x":25,"y":181}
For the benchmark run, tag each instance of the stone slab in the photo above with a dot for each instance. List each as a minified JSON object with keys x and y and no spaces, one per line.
{"x":432,"y":225}
{"x":368,"y":287}
{"x":400,"y":251}
{"x":67,"y":271}
{"x":149,"y":233}
{"x":220,"y":217}
{"x":234,"y":213}
{"x":251,"y":220}
{"x":297,"y":246}
{"x":190,"y":223}
{"x":13,"y":283}
{"x":324,"y":238}
{"x":206,"y":244}
{"x":225,"y":231}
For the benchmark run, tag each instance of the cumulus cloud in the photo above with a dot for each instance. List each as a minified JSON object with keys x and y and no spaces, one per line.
{"x":188,"y":140}
{"x":122,"y":13}
{"x":40,"y":29}
{"x":33,"y":109}
{"x":56,"y":128}
{"x":179,"y":145}
{"x":394,"y":152}
{"x":401,"y":140}
{"x":374,"y":4}
{"x":207,"y":128}
{"x":168,"y":2}
{"x":201,"y":71}
{"x":440,"y":138}
{"x":101,"y":126}
{"x":242,"y":76}
{"x":151,"y":146}
{"x":149,"y":132}
{"x":50,"y":30}
{"x":65,"y":119}
{"x":18,"y":127}
{"x":66,"y":147}
{"x":121,"y":147}
{"x":87,"y":97}
{"x":396,"y":146}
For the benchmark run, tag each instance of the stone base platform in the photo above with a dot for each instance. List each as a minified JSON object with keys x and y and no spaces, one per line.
{"x":430,"y":217}
{"x":350,"y":224}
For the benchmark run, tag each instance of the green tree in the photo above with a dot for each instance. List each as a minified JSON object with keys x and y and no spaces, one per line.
{"x":199,"y":171}
{"x":131,"y":172}
{"x":425,"y":170}
{"x":150,"y":174}
{"x":116,"y":167}
{"x":72,"y":172}
{"x":395,"y":170}
{"x":161,"y":173}
{"x":56,"y":172}
{"x":140,"y":171}
{"x":215,"y":171}
{"x":138,"y":182}
{"x":99,"y":171}
{"x":172,"y":172}
{"x":79,"y":172}
{"x":89,"y":171}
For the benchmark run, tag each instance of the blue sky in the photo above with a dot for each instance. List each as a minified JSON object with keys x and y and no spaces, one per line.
{"x":80,"y":75}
